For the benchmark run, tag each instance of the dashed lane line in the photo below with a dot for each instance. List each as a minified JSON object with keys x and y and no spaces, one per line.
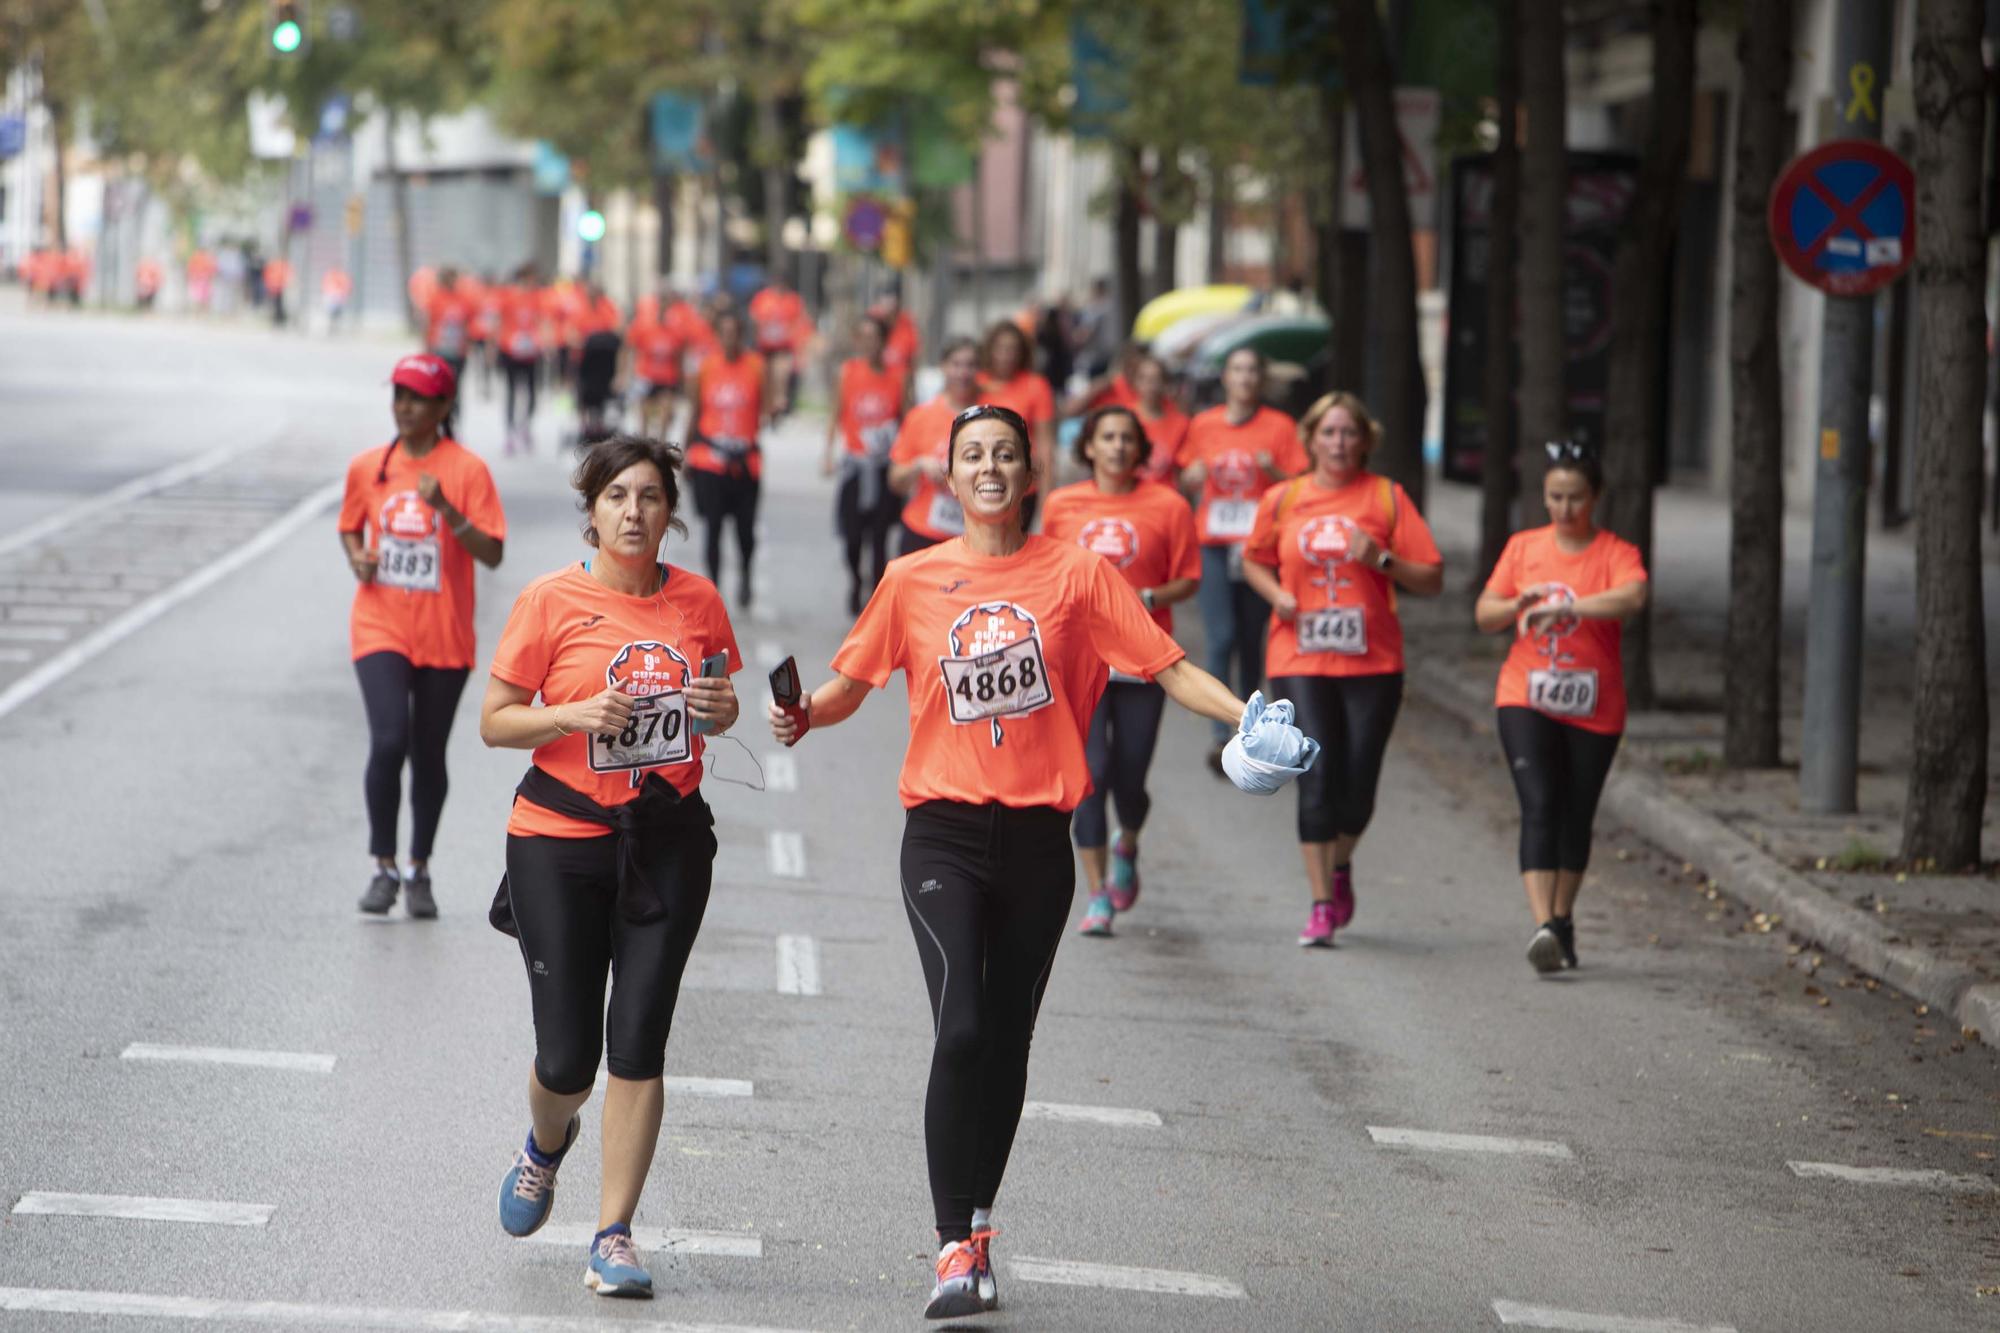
{"x":1516,"y":1315}
{"x":787,"y":854}
{"x":781,"y":771}
{"x":299,"y":1061}
{"x":292,"y":1314}
{"x":1427,"y":1140}
{"x":1896,"y":1176}
{"x":171,"y":475}
{"x":16,"y":655}
{"x":16,"y":633}
{"x":65,"y":663}
{"x":769,"y":654}
{"x":143,"y":1208}
{"x":1159,"y":1281}
{"x":663,"y":1240}
{"x":1124,"y":1117}
{"x":682,"y":1086}
{"x":798,"y":965}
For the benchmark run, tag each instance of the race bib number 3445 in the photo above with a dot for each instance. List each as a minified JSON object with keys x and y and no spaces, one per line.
{"x":1005,"y":683}
{"x":655,"y":734}
{"x":1563,"y":693}
{"x":410,"y":563}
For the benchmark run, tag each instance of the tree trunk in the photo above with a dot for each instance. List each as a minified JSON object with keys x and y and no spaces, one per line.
{"x":771,"y":147}
{"x":58,"y":141}
{"x":1166,"y":256}
{"x":1326,"y":232}
{"x":399,"y":195}
{"x":1947,"y":793}
{"x":664,"y":184}
{"x":1396,"y":384}
{"x":1544,"y":404}
{"x":1757,"y":460}
{"x":1125,"y":237}
{"x":1634,"y":434}
{"x":1218,"y":217}
{"x":1170,"y":186}
{"x":1496,"y":480}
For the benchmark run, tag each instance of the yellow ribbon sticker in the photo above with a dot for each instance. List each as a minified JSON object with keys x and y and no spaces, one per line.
{"x":1861,"y":82}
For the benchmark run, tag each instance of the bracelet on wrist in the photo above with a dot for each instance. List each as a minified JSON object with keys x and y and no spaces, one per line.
{"x":555,"y":716}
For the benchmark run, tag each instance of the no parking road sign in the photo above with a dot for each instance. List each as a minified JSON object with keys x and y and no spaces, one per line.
{"x":1844,"y":217}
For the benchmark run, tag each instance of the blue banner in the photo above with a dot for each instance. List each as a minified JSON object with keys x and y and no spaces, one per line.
{"x":679,"y":143}
{"x":551,"y":169}
{"x":1095,"y":76}
{"x":868,"y":162}
{"x":1284,"y":39}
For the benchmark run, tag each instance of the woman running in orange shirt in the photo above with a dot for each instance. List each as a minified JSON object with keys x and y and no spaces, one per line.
{"x":1005,"y":640}
{"x":868,"y":405}
{"x":1566,"y":589}
{"x":415,"y":515}
{"x":1007,"y":379}
{"x":1329,"y":551}
{"x":725,"y":462}
{"x":1146,"y":531}
{"x":610,"y":848}
{"x":919,"y":466}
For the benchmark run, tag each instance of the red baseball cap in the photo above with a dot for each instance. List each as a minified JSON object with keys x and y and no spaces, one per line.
{"x":425,"y":374}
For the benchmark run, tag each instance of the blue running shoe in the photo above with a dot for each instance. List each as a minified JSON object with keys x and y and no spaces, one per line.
{"x":528,"y":1191}
{"x":1097,"y":916}
{"x":615,"y":1269}
{"x":1123,"y":880}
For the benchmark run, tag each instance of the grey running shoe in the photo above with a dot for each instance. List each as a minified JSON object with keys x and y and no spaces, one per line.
{"x":417,"y":900}
{"x":1565,"y":929}
{"x":381,"y":894}
{"x":1545,"y":951}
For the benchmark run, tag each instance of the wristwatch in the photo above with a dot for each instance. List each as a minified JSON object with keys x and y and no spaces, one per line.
{"x":1382,"y":560}
{"x":1146,"y":598}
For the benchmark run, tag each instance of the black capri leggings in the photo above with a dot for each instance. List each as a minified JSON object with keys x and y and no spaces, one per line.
{"x":988,"y":891}
{"x":731,"y":496}
{"x":1119,"y":749}
{"x":564,"y":894}
{"x":520,"y":381}
{"x":410,"y":709}
{"x":864,"y":528}
{"x":1351,"y":717}
{"x":1559,"y":773}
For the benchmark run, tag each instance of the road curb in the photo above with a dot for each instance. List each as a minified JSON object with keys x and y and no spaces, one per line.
{"x":1638,"y":797}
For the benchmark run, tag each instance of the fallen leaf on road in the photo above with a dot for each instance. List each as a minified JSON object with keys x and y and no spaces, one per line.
{"x":1814,"y":990}
{"x":1909,"y":1272}
{"x":1823,"y":1002}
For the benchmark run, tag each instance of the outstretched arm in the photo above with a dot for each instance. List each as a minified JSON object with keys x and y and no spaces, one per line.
{"x":1198,"y":692}
{"x":835,"y":701}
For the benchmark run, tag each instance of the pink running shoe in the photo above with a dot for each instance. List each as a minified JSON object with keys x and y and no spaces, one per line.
{"x":1123,"y":881}
{"x":1343,"y":896}
{"x":1319,"y":928}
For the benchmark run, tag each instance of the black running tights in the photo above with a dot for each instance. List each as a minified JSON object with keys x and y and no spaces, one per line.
{"x":520,"y":380}
{"x":1119,"y":749}
{"x":1351,"y":718}
{"x":730,"y":496}
{"x":1559,"y":773}
{"x":865,"y":529}
{"x":410,"y":710}
{"x":988,"y":890}
{"x":564,"y":893}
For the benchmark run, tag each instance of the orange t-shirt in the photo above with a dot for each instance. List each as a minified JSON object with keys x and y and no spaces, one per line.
{"x":931,"y":511}
{"x":568,"y":638}
{"x":1168,"y":431}
{"x":1147,"y":533}
{"x":1005,"y":659}
{"x":335,"y":285}
{"x":777,"y":316}
{"x":688,"y":325}
{"x":521,"y":323}
{"x":420,"y":604}
{"x":448,"y":324}
{"x":1229,"y":491}
{"x":900,"y":350}
{"x":1347,"y":623}
{"x":730,"y":407}
{"x":277,"y":275}
{"x":870,"y":402}
{"x":656,"y":351}
{"x":1027,"y":393}
{"x":599,"y":316}
{"x":1574,"y":674}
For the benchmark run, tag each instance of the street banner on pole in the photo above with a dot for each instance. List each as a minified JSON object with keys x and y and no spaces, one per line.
{"x":1844,"y":217}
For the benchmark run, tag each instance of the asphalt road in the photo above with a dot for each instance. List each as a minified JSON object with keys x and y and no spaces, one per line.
{"x":182,"y":832}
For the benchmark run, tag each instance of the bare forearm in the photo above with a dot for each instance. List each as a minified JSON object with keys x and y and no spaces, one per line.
{"x":1619,"y":603}
{"x":1173,"y":590}
{"x":836,"y":701}
{"x":1420,"y":580}
{"x":1200,"y":693}
{"x":523,"y":726}
{"x":1263,"y":580}
{"x":1493,"y":614}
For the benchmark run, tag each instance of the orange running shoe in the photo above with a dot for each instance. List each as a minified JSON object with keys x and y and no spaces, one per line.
{"x":957,"y":1290}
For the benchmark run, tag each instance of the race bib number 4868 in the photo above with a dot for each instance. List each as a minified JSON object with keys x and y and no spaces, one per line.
{"x":1005,"y":683}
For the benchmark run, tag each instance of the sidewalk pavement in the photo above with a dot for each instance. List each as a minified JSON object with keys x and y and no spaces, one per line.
{"x":1833,"y":882}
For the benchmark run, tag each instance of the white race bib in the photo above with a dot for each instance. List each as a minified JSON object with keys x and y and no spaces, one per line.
{"x":1563,"y":693}
{"x":656,"y":733}
{"x":879,"y":439}
{"x":1334,"y":629}
{"x":947,"y":515}
{"x":413,"y":564}
{"x":1005,"y":683}
{"x":1231,"y":518}
{"x":451,"y":338}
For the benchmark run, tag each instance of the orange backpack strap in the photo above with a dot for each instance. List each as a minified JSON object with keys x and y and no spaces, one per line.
{"x":1389,"y":505}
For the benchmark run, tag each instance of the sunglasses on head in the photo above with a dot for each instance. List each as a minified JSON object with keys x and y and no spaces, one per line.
{"x":980,"y":410}
{"x":1565,"y":451}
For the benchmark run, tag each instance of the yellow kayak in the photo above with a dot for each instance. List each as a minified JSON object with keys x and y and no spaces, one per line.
{"x":1160,"y":312}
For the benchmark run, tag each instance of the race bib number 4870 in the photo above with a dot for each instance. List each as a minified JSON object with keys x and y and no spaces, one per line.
{"x":409,"y":563}
{"x":1005,"y":683}
{"x":655,"y":734}
{"x":1335,"y":629}
{"x":1563,"y":693}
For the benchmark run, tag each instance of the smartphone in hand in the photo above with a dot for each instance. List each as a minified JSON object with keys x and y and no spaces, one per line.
{"x":715,"y":665}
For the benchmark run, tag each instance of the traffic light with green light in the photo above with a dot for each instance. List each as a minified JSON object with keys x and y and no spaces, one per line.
{"x":590,"y":226}
{"x":288,"y":27}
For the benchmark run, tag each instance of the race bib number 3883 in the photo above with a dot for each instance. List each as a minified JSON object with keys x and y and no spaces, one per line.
{"x":410,"y":563}
{"x":1004,"y":683}
{"x":655,"y":734}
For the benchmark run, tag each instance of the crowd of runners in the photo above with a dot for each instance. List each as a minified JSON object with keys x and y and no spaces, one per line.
{"x":1037,"y":681}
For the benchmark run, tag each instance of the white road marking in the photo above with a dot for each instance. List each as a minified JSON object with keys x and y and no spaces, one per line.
{"x":798,"y":965}
{"x":697,"y":1087}
{"x":16,"y":655}
{"x":141,"y":1208}
{"x":291,"y":1314}
{"x":770,"y":654}
{"x":171,"y":475}
{"x":663,"y":1240}
{"x":1889,"y":1175}
{"x":301,"y":1061}
{"x":1067,"y":1273}
{"x":787,"y":854}
{"x":33,"y":633}
{"x":781,"y":771}
{"x":1423,"y":1138}
{"x":65,"y":664}
{"x":1123,"y":1116}
{"x":763,"y":613}
{"x":1517,"y":1315}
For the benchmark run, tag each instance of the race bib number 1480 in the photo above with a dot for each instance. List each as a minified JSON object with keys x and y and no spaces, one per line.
{"x":1563,"y":693}
{"x":1010,"y":681}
